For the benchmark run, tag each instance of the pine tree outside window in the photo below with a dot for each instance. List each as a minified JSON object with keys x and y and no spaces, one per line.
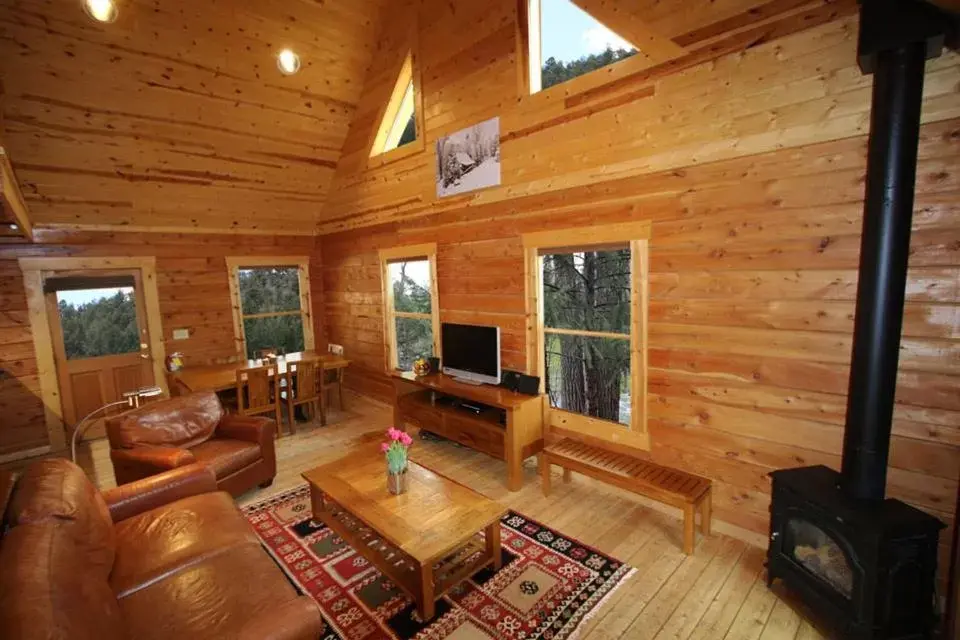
{"x":272,"y":309}
{"x":587,"y":297}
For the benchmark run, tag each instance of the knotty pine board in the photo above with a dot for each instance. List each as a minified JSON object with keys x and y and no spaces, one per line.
{"x":193,"y":291}
{"x":753,"y":281}
{"x":175,"y":116}
{"x":788,"y":91}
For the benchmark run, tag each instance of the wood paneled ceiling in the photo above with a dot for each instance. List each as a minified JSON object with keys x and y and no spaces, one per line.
{"x":175,"y":116}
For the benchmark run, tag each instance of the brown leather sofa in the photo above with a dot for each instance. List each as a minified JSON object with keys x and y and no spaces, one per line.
{"x":166,"y":557}
{"x":191,"y":429}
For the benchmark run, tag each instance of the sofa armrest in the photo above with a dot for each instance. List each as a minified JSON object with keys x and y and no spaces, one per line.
{"x":246,"y":428}
{"x":297,"y":619}
{"x":134,"y":498}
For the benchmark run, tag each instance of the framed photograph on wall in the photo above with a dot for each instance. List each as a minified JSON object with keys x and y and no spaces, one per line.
{"x":469,"y":159}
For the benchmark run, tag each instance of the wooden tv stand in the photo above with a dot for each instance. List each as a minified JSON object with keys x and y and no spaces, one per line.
{"x":428,"y":402}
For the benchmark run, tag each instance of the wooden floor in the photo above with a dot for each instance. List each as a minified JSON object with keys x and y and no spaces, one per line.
{"x":719,"y":592}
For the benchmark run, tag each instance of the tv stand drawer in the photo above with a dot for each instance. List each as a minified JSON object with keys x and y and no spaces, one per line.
{"x":475,"y":434}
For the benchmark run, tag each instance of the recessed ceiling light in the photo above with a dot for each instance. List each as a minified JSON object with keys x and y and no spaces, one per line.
{"x":101,"y":10}
{"x":14,"y":227}
{"x":288,"y":62}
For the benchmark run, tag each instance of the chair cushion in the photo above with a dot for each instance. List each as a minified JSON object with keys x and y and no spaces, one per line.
{"x":49,"y":590}
{"x":57,"y":490}
{"x":226,"y":456}
{"x":164,"y":540}
{"x":228,"y":592}
{"x":184,"y":421}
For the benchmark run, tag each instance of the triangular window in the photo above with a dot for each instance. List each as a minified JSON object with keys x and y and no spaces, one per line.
{"x":398,"y":127}
{"x":567,"y":42}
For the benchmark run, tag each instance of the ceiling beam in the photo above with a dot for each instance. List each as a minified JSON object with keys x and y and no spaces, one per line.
{"x":11,"y":198}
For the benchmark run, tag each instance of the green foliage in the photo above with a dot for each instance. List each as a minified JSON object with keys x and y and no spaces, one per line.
{"x":414,"y":336}
{"x":557,"y":71}
{"x":271,"y":290}
{"x":588,"y":291}
{"x":101,"y":328}
{"x":280,"y":332}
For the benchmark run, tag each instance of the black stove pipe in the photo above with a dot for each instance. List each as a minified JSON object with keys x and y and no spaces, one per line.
{"x":884,"y":250}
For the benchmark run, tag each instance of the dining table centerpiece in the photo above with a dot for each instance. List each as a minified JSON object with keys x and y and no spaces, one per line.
{"x":396,"y":449}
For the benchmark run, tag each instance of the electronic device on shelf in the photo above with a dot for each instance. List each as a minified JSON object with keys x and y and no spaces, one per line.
{"x":471,"y":353}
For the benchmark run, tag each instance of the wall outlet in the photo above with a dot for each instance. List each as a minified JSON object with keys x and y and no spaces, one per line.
{"x":181,"y":334}
{"x":335,"y":349}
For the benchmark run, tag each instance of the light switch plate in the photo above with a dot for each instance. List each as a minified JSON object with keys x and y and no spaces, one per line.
{"x":181,"y":334}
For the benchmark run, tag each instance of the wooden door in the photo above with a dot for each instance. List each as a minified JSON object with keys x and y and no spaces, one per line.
{"x":96,"y":369}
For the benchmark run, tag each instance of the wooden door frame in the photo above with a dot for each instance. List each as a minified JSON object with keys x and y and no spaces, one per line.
{"x":56,"y":330}
{"x":35,"y":270}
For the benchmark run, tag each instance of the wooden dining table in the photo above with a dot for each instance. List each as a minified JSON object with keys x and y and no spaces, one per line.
{"x":223,"y":377}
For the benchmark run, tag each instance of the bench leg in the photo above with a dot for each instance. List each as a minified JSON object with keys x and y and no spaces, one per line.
{"x":705,"y":513}
{"x":566,"y":475}
{"x":545,"y":474}
{"x":689,"y":528}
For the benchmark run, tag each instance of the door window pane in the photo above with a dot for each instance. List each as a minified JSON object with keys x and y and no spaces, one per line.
{"x":411,"y":286}
{"x":279,"y":332}
{"x":98,"y":322}
{"x":589,"y":376}
{"x":588,"y":291}
{"x":414,"y":340}
{"x":269,"y":290}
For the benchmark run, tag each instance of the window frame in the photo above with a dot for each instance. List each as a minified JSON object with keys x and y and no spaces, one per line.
{"x":408,"y":73}
{"x":427,"y":251}
{"x":637,"y":236}
{"x":654,"y":50}
{"x":302,"y":264}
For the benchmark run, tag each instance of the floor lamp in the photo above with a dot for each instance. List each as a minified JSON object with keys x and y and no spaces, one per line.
{"x":131,"y":399}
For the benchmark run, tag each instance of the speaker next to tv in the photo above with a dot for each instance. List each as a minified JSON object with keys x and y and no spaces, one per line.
{"x":510,"y":379}
{"x":434,"y":365}
{"x":529,"y":385}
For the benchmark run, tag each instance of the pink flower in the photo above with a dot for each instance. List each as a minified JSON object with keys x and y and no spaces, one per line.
{"x":394,"y":433}
{"x":406,"y":440}
{"x":384,"y":446}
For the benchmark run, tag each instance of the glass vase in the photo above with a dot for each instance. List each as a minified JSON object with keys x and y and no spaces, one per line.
{"x":397,"y":482}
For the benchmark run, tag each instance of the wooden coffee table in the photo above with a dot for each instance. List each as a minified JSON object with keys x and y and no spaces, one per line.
{"x":426,"y":540}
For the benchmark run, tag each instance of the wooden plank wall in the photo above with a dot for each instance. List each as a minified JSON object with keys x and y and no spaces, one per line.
{"x":751,"y":168}
{"x":194,"y":294}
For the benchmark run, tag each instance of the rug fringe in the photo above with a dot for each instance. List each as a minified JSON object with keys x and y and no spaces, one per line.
{"x":578,"y":630}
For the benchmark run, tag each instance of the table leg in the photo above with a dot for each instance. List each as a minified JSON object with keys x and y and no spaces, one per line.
{"x":317,"y":502}
{"x":493,"y":545}
{"x":426,"y":604}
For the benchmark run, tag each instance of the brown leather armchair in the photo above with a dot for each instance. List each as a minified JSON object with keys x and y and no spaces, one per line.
{"x":164,"y":557}
{"x":192,"y":429}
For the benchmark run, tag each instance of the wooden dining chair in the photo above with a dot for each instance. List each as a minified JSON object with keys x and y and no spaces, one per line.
{"x":330,"y":378}
{"x":258,"y":393}
{"x":303,"y":389}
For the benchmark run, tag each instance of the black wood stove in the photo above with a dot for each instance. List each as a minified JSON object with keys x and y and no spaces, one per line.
{"x":865,"y":563}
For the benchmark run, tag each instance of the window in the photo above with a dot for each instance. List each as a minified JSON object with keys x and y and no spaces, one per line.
{"x":588,"y":342}
{"x":411,"y":313}
{"x":98,"y":322}
{"x":566,"y":42}
{"x":399,"y":124}
{"x":271,"y":304}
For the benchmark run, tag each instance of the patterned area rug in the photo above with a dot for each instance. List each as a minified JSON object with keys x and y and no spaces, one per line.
{"x":548,"y":586}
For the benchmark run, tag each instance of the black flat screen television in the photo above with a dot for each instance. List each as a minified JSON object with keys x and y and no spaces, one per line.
{"x":471,"y":353}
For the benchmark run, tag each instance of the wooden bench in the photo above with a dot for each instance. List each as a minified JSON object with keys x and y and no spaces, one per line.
{"x":669,"y":486}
